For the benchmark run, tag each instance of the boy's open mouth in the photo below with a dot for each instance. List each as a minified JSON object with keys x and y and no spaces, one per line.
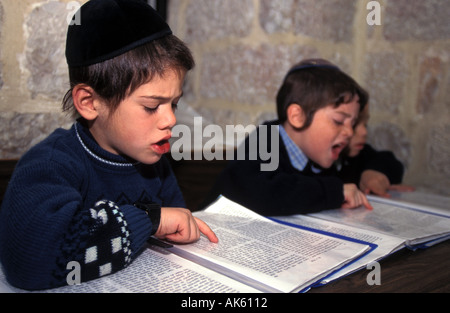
{"x":162,"y":142}
{"x":162,"y":146}
{"x":337,"y":149}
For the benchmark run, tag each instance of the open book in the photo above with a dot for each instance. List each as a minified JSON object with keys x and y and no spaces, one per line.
{"x":420,"y":200}
{"x":392,"y":225}
{"x":254,"y":254}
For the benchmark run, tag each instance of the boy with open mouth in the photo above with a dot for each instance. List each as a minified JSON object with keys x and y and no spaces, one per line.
{"x":317,"y":107}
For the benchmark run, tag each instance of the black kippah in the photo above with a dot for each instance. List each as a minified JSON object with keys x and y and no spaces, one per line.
{"x":109,"y":28}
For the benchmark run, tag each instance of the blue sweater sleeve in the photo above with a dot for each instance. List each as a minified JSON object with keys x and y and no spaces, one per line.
{"x":44,"y":226}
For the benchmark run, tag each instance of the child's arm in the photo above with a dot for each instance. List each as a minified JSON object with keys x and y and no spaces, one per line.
{"x":44,"y":226}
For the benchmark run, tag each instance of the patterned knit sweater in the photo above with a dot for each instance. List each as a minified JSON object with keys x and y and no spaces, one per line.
{"x":70,"y":200}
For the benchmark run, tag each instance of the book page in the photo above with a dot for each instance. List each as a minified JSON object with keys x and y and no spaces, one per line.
{"x":415,"y":227}
{"x":385,"y":244}
{"x":426,"y":202}
{"x":282,"y":258}
{"x":154,"y":271}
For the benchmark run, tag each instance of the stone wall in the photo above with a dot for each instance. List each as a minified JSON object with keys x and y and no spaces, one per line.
{"x":33,"y":73}
{"x":243,"y":48}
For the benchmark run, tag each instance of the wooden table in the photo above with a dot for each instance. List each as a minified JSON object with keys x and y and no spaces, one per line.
{"x":406,"y":271}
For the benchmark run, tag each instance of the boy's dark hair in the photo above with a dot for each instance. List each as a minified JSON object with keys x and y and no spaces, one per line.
{"x":114,"y":79}
{"x":314,"y":84}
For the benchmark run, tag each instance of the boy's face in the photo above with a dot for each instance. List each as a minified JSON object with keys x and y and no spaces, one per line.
{"x":141,"y":126}
{"x":329,"y":133}
{"x":360,"y":134}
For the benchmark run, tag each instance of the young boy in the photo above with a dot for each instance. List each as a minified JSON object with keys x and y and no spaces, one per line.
{"x":373,"y":171}
{"x":95,"y":193}
{"x":317,"y":107}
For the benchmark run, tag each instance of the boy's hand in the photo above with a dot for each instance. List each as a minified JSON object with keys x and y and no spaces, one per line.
{"x":353,"y":198}
{"x":180,"y":226}
{"x":374,"y":182}
{"x":378,"y":184}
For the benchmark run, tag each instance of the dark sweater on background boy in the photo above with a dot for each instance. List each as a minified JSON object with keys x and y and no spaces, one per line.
{"x":277,"y":192}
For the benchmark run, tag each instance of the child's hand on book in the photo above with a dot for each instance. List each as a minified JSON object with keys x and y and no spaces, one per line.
{"x":180,"y":226}
{"x":353,"y":198}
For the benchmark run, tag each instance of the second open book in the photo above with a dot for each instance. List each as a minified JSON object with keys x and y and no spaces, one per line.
{"x":395,"y":223}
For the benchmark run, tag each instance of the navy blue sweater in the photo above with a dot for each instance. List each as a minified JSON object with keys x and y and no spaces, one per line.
{"x":284,"y":191}
{"x":370,"y":159}
{"x":70,"y":200}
